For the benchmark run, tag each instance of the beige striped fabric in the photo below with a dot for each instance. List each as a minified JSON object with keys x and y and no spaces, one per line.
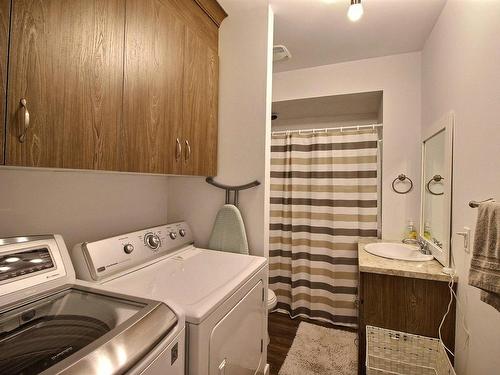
{"x":323,"y":199}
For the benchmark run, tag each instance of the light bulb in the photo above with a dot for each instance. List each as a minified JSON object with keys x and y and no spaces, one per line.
{"x":355,"y":11}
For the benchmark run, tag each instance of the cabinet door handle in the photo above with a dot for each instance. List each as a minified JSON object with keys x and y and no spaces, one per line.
{"x":178,"y":149}
{"x":187,"y":155}
{"x":24,"y":104}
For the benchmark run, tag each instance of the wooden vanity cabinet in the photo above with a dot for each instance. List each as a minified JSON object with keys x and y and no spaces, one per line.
{"x":122,"y":85}
{"x":404,"y":304}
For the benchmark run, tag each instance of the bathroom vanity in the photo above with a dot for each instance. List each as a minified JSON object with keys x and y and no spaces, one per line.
{"x":402,"y":295}
{"x":408,"y":295}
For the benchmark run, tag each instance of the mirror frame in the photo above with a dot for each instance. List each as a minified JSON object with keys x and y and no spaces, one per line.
{"x":446,"y":124}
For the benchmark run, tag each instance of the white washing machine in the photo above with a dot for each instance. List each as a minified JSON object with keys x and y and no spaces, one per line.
{"x":51,"y":324}
{"x":223,"y":295}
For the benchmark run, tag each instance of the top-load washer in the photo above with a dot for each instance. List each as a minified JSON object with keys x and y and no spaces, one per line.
{"x":223,"y":295}
{"x":51,"y":324}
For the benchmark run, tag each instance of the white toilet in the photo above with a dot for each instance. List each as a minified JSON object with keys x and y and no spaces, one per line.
{"x":272,"y":301}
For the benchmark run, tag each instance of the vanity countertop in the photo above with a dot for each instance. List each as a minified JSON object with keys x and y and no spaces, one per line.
{"x":369,"y":263}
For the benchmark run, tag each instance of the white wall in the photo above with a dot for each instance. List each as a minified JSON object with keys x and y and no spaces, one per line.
{"x":245,"y":49}
{"x":82,"y":206}
{"x":461,"y":72}
{"x":398,"y":76}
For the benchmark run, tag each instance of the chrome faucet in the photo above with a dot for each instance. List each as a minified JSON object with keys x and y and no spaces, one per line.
{"x":424,"y":248}
{"x":437,"y":242}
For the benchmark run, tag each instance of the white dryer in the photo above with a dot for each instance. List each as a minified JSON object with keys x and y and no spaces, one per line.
{"x":223,"y":295}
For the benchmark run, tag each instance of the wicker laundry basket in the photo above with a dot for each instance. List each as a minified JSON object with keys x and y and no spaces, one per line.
{"x":393,"y":352}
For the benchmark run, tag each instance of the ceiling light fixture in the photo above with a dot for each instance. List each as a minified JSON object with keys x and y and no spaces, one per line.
{"x":355,"y":11}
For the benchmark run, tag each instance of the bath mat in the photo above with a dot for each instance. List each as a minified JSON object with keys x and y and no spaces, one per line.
{"x":319,"y":350}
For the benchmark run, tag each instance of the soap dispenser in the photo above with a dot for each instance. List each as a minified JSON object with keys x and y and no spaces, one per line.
{"x":427,"y":230}
{"x":410,"y":233}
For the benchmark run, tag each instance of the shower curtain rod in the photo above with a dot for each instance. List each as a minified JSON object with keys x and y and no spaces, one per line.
{"x":324,"y":130}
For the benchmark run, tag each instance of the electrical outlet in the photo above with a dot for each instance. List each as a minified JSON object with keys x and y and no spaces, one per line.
{"x":466,"y":235}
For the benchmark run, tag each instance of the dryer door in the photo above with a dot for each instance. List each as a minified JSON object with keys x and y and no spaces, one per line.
{"x":236,"y":342}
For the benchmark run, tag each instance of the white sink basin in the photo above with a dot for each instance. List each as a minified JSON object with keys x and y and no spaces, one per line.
{"x":397,"y":251}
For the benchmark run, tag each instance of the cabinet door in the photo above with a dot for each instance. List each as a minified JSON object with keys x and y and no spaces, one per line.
{"x":66,"y":61}
{"x":4,"y":41}
{"x":154,"y":58}
{"x":200,"y":105}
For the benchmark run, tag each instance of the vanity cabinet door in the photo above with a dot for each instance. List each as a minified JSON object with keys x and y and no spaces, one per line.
{"x":150,"y":140}
{"x":4,"y":42}
{"x":200,"y":106}
{"x":66,"y":71}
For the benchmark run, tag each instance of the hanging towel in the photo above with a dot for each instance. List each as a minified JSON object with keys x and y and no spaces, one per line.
{"x":485,"y":264}
{"x":228,"y":233}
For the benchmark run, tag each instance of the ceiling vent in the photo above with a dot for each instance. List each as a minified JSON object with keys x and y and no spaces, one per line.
{"x":281,"y":53}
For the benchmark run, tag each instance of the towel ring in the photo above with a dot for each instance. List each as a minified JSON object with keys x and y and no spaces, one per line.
{"x":436,"y":178}
{"x":401,"y":178}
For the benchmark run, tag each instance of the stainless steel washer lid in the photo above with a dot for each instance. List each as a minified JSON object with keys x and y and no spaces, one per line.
{"x":79,"y":330}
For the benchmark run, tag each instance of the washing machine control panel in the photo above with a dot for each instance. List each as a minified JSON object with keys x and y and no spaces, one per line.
{"x":118,"y":254}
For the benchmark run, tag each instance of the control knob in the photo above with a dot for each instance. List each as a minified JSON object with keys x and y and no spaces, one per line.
{"x":173,"y":235}
{"x":128,"y":248}
{"x":152,"y":240}
{"x":182,"y":232}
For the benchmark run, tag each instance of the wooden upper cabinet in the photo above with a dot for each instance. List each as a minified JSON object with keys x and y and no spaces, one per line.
{"x":4,"y":42}
{"x":123,"y":85}
{"x":200,"y":104}
{"x":170,"y":89}
{"x":200,"y":85}
{"x":153,"y":83}
{"x":66,"y":61}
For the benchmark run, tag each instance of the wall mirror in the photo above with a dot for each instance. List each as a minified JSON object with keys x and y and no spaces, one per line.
{"x":437,"y":183}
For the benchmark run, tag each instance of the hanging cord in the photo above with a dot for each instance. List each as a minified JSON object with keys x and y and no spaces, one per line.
{"x":460,"y":307}
{"x":464,"y":324}
{"x":451,"y":283}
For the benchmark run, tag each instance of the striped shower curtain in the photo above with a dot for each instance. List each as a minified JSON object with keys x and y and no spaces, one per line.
{"x":323,"y":199}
